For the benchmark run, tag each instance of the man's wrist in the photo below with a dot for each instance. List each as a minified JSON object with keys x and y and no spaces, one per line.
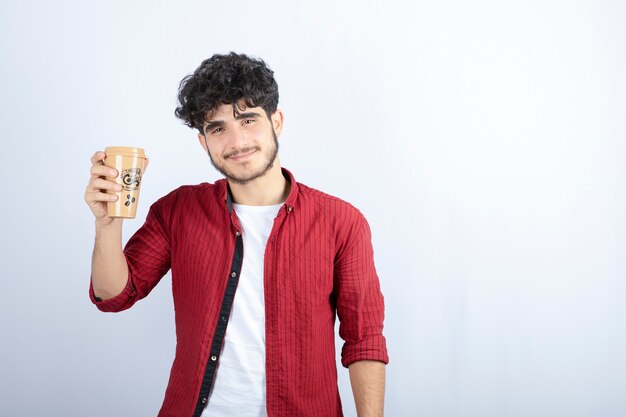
{"x":108,"y":223}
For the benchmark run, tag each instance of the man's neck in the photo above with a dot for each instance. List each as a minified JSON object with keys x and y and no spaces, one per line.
{"x":270,"y":189}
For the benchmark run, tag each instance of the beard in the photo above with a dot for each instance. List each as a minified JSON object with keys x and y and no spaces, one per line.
{"x":270,"y":157}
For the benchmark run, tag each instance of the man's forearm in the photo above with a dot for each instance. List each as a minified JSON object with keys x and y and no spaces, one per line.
{"x":109,"y":271}
{"x":368,"y":386}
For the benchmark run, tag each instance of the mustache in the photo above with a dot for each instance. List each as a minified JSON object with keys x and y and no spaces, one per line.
{"x":240,"y":151}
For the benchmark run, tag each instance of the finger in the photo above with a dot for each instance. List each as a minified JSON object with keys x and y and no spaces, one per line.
{"x":103,"y":171}
{"x":98,"y":158}
{"x":95,"y":197}
{"x":102,"y":184}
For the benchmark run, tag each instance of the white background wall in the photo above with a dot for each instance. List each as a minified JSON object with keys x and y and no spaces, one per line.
{"x":483,"y":140}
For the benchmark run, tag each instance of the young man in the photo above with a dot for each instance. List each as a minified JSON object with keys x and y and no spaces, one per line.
{"x":261,"y":264}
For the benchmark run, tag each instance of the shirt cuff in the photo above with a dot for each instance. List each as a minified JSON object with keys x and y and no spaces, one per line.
{"x":374,"y":349}
{"x":118,"y":303}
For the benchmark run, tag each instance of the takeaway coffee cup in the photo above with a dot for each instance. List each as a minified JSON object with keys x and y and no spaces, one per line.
{"x":130,"y":164}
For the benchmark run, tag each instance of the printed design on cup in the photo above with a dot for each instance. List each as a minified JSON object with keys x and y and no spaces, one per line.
{"x":131,"y":178}
{"x":129,"y":200}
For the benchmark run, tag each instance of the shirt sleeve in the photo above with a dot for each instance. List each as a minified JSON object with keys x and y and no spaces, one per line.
{"x":148,"y":257}
{"x":360,"y":303}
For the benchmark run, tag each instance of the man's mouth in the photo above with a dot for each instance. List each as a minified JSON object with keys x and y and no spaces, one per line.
{"x":242,"y":156}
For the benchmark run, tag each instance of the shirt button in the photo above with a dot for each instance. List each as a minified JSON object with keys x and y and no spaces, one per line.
{"x":223,"y":318}
{"x":203,"y":400}
{"x":289,"y":208}
{"x":213,"y":358}
{"x":234,"y":274}
{"x":238,"y":234}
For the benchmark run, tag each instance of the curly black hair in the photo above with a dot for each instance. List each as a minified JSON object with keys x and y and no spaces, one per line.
{"x":226,"y":79}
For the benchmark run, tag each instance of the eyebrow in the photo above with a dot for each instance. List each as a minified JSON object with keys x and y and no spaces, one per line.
{"x":240,"y":116}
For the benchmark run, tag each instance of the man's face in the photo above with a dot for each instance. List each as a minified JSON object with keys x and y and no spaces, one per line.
{"x":243,"y":147}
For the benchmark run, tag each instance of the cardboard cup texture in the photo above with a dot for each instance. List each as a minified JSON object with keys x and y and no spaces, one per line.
{"x":130,"y":164}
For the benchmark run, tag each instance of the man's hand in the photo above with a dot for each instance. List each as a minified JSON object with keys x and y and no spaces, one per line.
{"x":368,"y":386}
{"x":95,"y":193}
{"x":96,"y":196}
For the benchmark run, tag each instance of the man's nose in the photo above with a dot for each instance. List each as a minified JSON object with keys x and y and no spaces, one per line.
{"x":237,"y":139}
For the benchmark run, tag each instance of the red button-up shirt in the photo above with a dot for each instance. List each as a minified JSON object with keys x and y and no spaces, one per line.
{"x":318,"y":263}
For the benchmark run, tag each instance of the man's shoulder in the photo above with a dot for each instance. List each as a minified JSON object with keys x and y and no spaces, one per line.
{"x":315,"y":194}
{"x":327,"y":202}
{"x":190,"y":194}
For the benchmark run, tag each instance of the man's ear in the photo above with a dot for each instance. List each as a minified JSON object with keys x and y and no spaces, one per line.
{"x":277,"y":121}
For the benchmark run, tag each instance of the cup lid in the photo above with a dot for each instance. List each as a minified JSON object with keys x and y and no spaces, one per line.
{"x":125,"y":150}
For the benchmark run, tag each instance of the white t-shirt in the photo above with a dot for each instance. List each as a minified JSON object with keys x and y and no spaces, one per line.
{"x":239,"y":386}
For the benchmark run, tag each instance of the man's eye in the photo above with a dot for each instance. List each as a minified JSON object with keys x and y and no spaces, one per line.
{"x":248,"y":121}
{"x":216,"y":130}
